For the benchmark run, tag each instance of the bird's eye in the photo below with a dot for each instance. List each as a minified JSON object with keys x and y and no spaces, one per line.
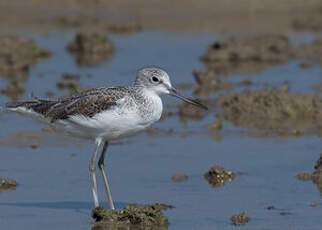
{"x":155,"y":79}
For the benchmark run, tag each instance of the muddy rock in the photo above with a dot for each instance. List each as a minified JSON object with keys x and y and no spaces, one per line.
{"x":305,"y":64}
{"x":91,"y":48}
{"x":271,"y":109}
{"x":285,"y":213}
{"x":247,"y":54}
{"x":69,"y":85}
{"x":33,"y":146}
{"x":218,"y":176}
{"x":208,"y":82}
{"x":291,"y":132}
{"x":246,"y":83}
{"x":179,"y":177}
{"x":239,"y":219}
{"x":317,"y":174}
{"x":70,"y":76}
{"x":190,"y":112}
{"x":313,"y":205}
{"x":207,"y":78}
{"x":17,"y":54}
{"x":7,"y":184}
{"x":216,"y":125}
{"x":309,"y":51}
{"x":69,"y":82}
{"x":14,"y":90}
{"x":318,"y":164}
{"x":133,"y":216}
{"x":304,"y":176}
{"x":49,"y":94}
{"x":271,"y":207}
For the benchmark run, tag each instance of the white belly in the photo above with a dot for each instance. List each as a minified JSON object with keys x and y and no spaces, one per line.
{"x":111,"y":124}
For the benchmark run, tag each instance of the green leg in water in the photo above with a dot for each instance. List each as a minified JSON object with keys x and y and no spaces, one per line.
{"x":101,"y":167}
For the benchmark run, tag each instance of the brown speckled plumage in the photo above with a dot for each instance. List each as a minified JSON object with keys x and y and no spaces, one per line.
{"x":87,"y":103}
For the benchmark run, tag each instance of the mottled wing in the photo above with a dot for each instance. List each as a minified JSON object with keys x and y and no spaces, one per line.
{"x":87,"y":103}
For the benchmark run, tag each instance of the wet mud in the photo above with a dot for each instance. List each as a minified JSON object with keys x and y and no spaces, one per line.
{"x":7,"y":184}
{"x":17,"y":54}
{"x":92,"y":23}
{"x":14,"y":90}
{"x":316,"y":176}
{"x":69,"y":82}
{"x":216,"y":125}
{"x":306,"y":64}
{"x":209,"y":82}
{"x":216,"y":15}
{"x":190,"y":112}
{"x":310,"y":51}
{"x":218,"y":176}
{"x":133,"y":216}
{"x":91,"y":48}
{"x":185,"y":111}
{"x":251,"y":54}
{"x":240,"y":219}
{"x":247,"y":54}
{"x":157,"y":132}
{"x":179,"y":177}
{"x":309,"y":22}
{"x":273,"y":110}
{"x":34,"y":139}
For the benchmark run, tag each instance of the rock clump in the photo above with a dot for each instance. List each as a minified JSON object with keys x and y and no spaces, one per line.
{"x":91,"y":48}
{"x":271,"y":109}
{"x":133,"y":216}
{"x":218,"y":176}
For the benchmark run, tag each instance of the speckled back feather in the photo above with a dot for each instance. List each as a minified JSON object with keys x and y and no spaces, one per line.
{"x":87,"y":103}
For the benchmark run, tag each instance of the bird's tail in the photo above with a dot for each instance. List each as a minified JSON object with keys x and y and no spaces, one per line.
{"x":38,"y":106}
{"x":17,"y":104}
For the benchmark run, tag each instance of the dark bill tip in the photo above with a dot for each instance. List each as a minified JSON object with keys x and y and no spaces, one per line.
{"x":175,"y":93}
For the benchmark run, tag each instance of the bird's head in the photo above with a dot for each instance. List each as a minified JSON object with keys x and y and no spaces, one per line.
{"x":158,"y":81}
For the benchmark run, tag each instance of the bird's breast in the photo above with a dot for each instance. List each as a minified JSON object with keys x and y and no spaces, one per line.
{"x":151,"y":109}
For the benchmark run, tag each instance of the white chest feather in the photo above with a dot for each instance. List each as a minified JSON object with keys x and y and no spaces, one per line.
{"x":125,"y":119}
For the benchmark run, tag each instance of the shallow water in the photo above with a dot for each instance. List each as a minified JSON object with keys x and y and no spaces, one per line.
{"x":54,"y":189}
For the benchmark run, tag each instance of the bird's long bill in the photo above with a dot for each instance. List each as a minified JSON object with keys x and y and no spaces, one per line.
{"x":175,"y":93}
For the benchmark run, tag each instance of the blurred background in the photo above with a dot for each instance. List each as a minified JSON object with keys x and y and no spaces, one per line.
{"x":255,"y":63}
